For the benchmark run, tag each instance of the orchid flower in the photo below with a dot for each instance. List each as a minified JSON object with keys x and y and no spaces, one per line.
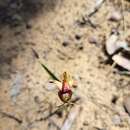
{"x":64,"y":85}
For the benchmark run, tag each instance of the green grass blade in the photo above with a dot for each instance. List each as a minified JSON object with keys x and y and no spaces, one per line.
{"x":52,"y":75}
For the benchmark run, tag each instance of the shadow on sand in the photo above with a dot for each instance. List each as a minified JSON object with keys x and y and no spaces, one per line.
{"x":13,"y":14}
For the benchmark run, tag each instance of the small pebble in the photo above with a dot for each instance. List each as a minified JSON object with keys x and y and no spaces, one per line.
{"x":17,"y":17}
{"x":110,"y":44}
{"x":77,"y":37}
{"x":116,"y":120}
{"x":28,"y":26}
{"x":121,"y":61}
{"x":127,"y":104}
{"x":65,"y":43}
{"x":115,"y":16}
{"x":93,"y":39}
{"x":16,"y":86}
{"x":113,"y":44}
{"x":81,"y":48}
{"x":114,"y":99}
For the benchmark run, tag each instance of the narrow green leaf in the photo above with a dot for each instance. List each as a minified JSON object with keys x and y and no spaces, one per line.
{"x":52,"y":75}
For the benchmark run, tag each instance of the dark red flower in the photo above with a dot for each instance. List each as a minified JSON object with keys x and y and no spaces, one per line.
{"x":65,"y":92}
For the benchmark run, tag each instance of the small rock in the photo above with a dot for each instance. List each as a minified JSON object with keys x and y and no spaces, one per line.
{"x":127,"y":104}
{"x":16,"y":20}
{"x":17,"y":17}
{"x":121,"y":61}
{"x":81,"y":48}
{"x":98,"y":3}
{"x":28,"y":26}
{"x":110,"y":44}
{"x":93,"y":39}
{"x":115,"y":16}
{"x":37,"y":100}
{"x":116,"y":120}
{"x":77,"y":37}
{"x":122,"y":44}
{"x":114,"y":99}
{"x":113,"y":44}
{"x":65,"y":43}
{"x":16,"y":86}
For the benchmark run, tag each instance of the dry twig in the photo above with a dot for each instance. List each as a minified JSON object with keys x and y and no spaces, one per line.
{"x":97,"y":7}
{"x":11,"y":117}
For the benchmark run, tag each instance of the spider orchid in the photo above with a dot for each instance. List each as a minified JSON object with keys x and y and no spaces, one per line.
{"x":64,"y":92}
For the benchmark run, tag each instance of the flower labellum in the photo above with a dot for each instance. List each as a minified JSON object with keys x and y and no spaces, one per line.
{"x":65,"y":92}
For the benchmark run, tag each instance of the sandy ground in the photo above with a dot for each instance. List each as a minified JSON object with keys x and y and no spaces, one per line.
{"x":56,"y":30}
